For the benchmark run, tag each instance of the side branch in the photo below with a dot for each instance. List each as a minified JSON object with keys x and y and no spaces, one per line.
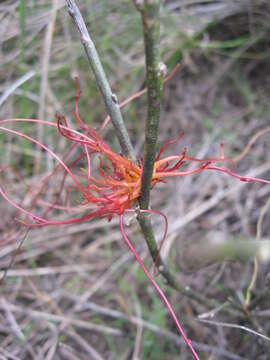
{"x":109,"y":98}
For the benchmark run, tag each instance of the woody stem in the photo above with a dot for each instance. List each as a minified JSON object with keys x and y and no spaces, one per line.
{"x":149,"y":11}
{"x":151,"y":31}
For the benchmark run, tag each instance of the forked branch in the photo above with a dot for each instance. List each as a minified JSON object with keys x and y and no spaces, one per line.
{"x":113,"y":108}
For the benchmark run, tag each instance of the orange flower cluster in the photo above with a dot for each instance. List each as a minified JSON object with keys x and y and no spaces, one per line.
{"x":118,"y":184}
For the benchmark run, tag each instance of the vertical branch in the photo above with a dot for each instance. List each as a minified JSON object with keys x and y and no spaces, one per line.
{"x":109,"y":98}
{"x":149,"y":10}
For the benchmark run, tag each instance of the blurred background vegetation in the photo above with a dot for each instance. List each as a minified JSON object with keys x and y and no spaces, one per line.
{"x":77,"y":294}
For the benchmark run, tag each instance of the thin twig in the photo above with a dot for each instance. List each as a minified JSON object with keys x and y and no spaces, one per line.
{"x":11,"y":88}
{"x":109,"y":98}
{"x":235,"y":326}
{"x":251,"y":142}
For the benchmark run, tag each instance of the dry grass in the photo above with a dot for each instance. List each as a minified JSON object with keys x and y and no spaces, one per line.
{"x":75,"y":292}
